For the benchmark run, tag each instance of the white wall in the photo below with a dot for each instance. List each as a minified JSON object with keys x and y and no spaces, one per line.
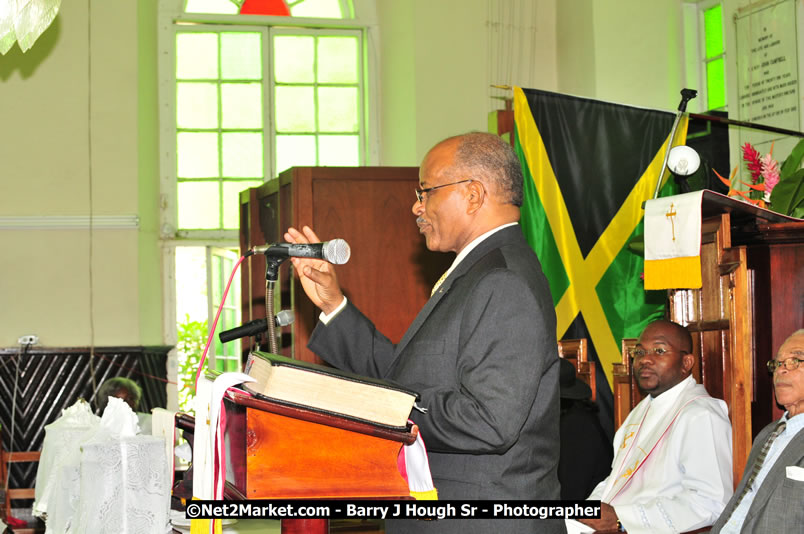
{"x":433,"y":63}
{"x":434,"y":68}
{"x":628,"y":51}
{"x":45,"y":162}
{"x":433,"y":74}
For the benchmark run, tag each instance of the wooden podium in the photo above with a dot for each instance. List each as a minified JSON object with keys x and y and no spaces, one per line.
{"x":752,"y":299}
{"x":282,"y":452}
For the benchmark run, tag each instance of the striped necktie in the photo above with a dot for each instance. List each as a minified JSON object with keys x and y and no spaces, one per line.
{"x":761,"y":459}
{"x":438,"y":284}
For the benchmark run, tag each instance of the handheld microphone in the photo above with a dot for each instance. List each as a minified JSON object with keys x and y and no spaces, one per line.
{"x":335,"y":251}
{"x":257,"y":326}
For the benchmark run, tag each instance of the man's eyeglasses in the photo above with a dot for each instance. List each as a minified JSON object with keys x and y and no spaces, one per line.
{"x":789,"y":364}
{"x":637,"y":354}
{"x":421,"y":192}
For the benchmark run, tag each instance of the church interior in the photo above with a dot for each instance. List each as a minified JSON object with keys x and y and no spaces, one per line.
{"x":148,"y":145}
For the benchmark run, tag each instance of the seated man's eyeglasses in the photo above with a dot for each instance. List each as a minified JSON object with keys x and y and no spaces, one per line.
{"x":421,"y":192}
{"x":789,"y":364}
{"x":636,"y":354}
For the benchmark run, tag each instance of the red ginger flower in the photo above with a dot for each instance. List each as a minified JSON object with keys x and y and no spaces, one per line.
{"x":751,"y":156}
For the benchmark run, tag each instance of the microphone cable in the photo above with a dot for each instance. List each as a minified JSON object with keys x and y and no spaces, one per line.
{"x":215,"y":322}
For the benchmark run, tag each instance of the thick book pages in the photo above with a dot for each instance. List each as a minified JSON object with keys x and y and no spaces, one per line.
{"x":329,"y":390}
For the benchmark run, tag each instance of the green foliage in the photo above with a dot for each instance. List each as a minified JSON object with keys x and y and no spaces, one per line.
{"x":793,"y":161}
{"x":787,"y":196}
{"x":190,"y":346}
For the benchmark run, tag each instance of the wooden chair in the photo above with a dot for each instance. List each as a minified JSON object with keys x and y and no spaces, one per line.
{"x":626,"y":394}
{"x":575,"y":350}
{"x":7,"y":458}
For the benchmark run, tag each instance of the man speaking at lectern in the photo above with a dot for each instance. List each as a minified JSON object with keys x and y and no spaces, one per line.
{"x":482,"y":351}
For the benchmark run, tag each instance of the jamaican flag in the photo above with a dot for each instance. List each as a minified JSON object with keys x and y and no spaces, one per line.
{"x":589,"y":166}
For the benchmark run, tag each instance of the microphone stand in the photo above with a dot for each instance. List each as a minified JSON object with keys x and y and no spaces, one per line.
{"x":271,"y":274}
{"x":686,"y":96}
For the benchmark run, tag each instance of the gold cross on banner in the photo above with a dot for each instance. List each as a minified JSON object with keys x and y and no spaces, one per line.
{"x":670,"y":214}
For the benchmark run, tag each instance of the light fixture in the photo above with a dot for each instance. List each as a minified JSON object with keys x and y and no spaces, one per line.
{"x":683,"y":160}
{"x":23,"y":21}
{"x":686,"y":96}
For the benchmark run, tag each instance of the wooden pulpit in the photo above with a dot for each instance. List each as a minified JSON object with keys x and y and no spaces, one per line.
{"x":283,"y":452}
{"x":752,"y":299}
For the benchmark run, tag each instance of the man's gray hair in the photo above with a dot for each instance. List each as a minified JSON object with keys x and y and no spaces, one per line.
{"x":112,"y":386}
{"x":488,"y":158}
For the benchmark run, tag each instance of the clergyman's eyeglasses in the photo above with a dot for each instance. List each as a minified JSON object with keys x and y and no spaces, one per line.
{"x":637,"y":354}
{"x":420,"y":193}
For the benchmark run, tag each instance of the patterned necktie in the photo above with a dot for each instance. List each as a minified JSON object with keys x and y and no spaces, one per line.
{"x":437,"y":284}
{"x":761,"y":459}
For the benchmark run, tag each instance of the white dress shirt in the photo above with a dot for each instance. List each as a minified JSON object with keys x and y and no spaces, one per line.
{"x":326,"y":318}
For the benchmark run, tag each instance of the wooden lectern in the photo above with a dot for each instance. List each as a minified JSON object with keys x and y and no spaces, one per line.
{"x":752,"y":299}
{"x":284,"y":452}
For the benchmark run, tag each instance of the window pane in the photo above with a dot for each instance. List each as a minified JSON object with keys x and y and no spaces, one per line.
{"x":215,"y":276}
{"x":224,"y":352}
{"x":325,"y":9}
{"x":217,"y":348}
{"x":197,"y":155}
{"x":191,"y":284}
{"x":713,"y":31}
{"x":211,"y":6}
{"x":293,"y":59}
{"x":198,"y":205}
{"x":222,"y":263}
{"x":242,"y":155}
{"x":196,"y":56}
{"x":231,"y":201}
{"x":338,"y":150}
{"x":196,"y":105}
{"x":716,"y":84}
{"x":294,"y":151}
{"x":337,"y":109}
{"x":242,"y":105}
{"x":241,"y":56}
{"x":295,"y":109}
{"x":337,"y":60}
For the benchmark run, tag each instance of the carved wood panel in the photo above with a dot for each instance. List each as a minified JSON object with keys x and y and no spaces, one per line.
{"x":48,"y":380}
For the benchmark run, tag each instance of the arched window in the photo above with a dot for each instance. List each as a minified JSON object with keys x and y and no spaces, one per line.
{"x":335,"y":9}
{"x":248,"y":88}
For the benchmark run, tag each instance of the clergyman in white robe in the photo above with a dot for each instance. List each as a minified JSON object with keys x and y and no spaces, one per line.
{"x":672,"y":468}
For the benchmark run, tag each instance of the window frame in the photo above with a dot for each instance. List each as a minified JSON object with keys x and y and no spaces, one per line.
{"x":361,"y":87}
{"x":212,"y":251}
{"x":170,"y":196}
{"x":704,"y":61}
{"x":170,"y":16}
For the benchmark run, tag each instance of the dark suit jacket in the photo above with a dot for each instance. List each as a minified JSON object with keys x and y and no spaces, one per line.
{"x":778,"y":505}
{"x":586,"y":452}
{"x":482,"y":354}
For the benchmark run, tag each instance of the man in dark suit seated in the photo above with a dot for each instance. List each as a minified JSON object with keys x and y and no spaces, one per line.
{"x":770,"y":497}
{"x":482,"y":352}
{"x":585,"y":450}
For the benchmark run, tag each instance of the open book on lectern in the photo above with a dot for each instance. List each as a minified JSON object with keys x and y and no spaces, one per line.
{"x":329,"y":390}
